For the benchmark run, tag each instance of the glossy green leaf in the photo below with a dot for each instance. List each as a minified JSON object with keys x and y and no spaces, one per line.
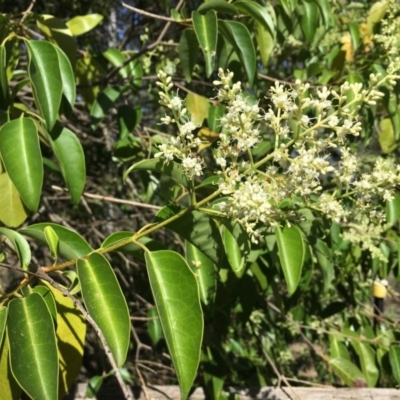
{"x":309,"y":20}
{"x":354,"y":29}
{"x":4,"y":91}
{"x":56,"y":31}
{"x":20,"y":151}
{"x":347,"y":372}
{"x":45,"y":75}
{"x":94,"y":386}
{"x":387,"y":137}
{"x":188,"y":49}
{"x":218,"y":5}
{"x":239,"y":37}
{"x":237,"y":247}
{"x":324,"y":258}
{"x":70,"y":333}
{"x":266,"y":43}
{"x":258,"y":12}
{"x":52,"y":241}
{"x":172,"y":169}
{"x":326,"y":10}
{"x":337,"y":347}
{"x":3,"y":321}
{"x":9,"y":388}
{"x":71,"y":244}
{"x":393,"y":209}
{"x":83,"y":23}
{"x":12,"y":211}
{"x":128,"y":118}
{"x":48,"y":298}
{"x":154,"y":327}
{"x":176,"y":296}
{"x":198,"y":107}
{"x":291,"y":254}
{"x":206,"y":29}
{"x":19,"y":244}
{"x":204,"y":270}
{"x":102,"y":105}
{"x":105,"y":303}
{"x":67,"y":77}
{"x":196,"y":227}
{"x":366,"y":355}
{"x":132,"y":70}
{"x":69,"y":153}
{"x":33,"y":350}
{"x":394,"y":359}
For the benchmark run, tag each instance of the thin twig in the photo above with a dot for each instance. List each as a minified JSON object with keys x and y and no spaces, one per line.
{"x":146,"y":13}
{"x":27,"y":12}
{"x":110,"y":199}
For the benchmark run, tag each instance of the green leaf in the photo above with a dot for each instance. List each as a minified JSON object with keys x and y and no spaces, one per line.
{"x":128,"y":118}
{"x":291,"y":254}
{"x":196,"y":227}
{"x":176,"y":295}
{"x":33,"y":350}
{"x":366,"y":355}
{"x":132,"y":71}
{"x":102,"y":105}
{"x":83,"y":23}
{"x":52,"y":241}
{"x":3,"y":321}
{"x":4,"y":91}
{"x":45,"y":75}
{"x":266,"y":43}
{"x":9,"y":388}
{"x":387,"y":137}
{"x":12,"y":211}
{"x":188,"y":49}
{"x":393,"y":210}
{"x":48,"y":298}
{"x":20,"y":151}
{"x":70,"y":333}
{"x":69,"y":153}
{"x":239,"y":37}
{"x":198,"y":107}
{"x":258,"y":12}
{"x":324,"y":258}
{"x":205,"y":272}
{"x":67,"y":77}
{"x":56,"y":31}
{"x":394,"y":359}
{"x":20,"y":246}
{"x":219,"y":6}
{"x":237,"y":246}
{"x":309,"y":20}
{"x":206,"y":29}
{"x":172,"y":169}
{"x":337,"y":347}
{"x":154,"y":327}
{"x":347,"y":371}
{"x":105,"y":303}
{"x":71,"y":245}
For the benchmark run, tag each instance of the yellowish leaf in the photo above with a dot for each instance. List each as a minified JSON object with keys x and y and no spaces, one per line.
{"x":12,"y":211}
{"x":198,"y":107}
{"x":207,"y":137}
{"x":70,"y":333}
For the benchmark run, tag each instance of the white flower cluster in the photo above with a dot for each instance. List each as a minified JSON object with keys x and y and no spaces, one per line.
{"x":307,"y":126}
{"x":181,"y":147}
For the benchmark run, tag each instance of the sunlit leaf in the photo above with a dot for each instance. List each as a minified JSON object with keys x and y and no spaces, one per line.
{"x":198,"y":107}
{"x":291,"y":254}
{"x":83,"y":23}
{"x":22,"y":158}
{"x":218,"y":5}
{"x":33,"y":350}
{"x":367,"y":358}
{"x":258,"y":12}
{"x":309,"y":20}
{"x":188,"y":50}
{"x":206,"y":29}
{"x":71,"y":244}
{"x":347,"y":372}
{"x":105,"y":303}
{"x":154,"y":327}
{"x":20,"y":246}
{"x":394,"y":359}
{"x":70,"y":333}
{"x":68,"y":150}
{"x":176,"y":295}
{"x":45,"y":75}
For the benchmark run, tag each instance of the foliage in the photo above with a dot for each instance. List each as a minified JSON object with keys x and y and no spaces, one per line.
{"x":265,"y":134}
